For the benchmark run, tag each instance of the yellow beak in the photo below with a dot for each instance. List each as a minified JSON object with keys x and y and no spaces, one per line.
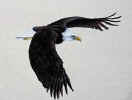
{"x":78,"y":38}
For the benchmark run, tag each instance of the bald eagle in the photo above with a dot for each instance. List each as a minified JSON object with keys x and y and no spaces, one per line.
{"x":44,"y":59}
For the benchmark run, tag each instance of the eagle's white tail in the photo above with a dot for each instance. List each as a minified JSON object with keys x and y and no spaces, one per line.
{"x":25,"y":36}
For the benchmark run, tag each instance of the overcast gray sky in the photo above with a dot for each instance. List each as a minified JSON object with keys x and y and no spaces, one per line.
{"x":100,"y":67}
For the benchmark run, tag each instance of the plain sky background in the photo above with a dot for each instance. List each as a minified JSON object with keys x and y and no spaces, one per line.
{"x":100,"y":67}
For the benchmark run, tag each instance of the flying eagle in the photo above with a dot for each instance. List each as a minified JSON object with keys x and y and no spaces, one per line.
{"x":44,"y":59}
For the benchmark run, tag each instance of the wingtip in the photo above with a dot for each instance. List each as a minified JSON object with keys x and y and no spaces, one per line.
{"x":57,"y":84}
{"x":112,"y":16}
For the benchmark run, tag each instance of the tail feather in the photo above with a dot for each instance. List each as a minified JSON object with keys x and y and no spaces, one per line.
{"x":25,"y":36}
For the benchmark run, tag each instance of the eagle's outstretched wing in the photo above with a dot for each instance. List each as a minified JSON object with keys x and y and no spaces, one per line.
{"x":47,"y":64}
{"x":95,"y":23}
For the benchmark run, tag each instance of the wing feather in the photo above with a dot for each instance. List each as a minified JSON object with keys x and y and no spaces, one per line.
{"x":94,"y":23}
{"x":47,"y":64}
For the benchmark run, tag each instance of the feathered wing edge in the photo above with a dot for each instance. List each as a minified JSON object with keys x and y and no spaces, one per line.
{"x":110,"y":20}
{"x":56,"y":83}
{"x":95,"y":23}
